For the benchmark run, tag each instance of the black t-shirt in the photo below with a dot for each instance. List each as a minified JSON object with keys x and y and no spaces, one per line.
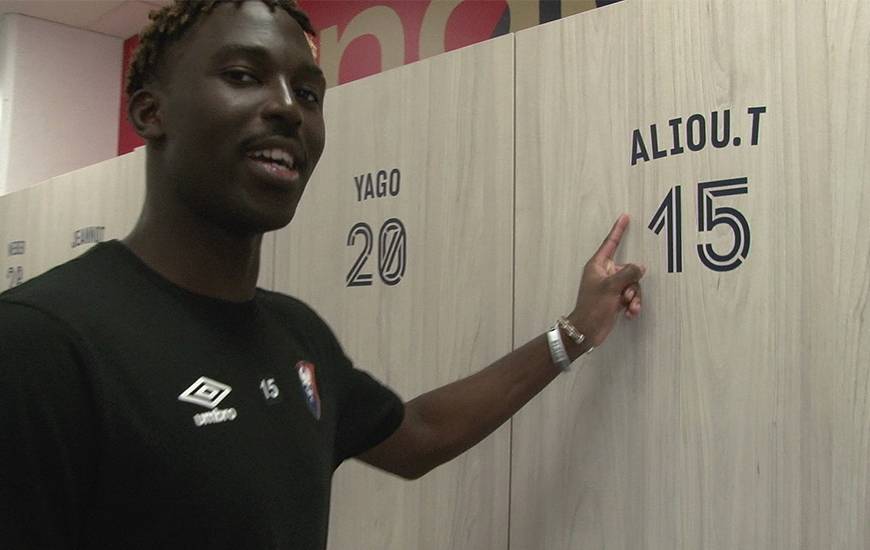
{"x":135,"y":414}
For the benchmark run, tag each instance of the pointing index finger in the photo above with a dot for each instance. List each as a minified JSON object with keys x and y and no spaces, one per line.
{"x":611,"y":243}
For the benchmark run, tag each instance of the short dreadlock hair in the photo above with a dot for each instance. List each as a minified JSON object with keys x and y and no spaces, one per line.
{"x":169,"y":24}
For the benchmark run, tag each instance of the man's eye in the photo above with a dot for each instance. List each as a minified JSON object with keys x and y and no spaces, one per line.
{"x":240,"y":76}
{"x":307,"y":95}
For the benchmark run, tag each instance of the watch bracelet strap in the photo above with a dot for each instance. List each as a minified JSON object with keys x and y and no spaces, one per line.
{"x":571,"y":330}
{"x":557,"y":349}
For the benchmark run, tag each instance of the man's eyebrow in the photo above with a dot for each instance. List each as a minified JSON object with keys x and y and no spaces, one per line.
{"x":313,"y":70}
{"x":248,"y":50}
{"x":262,"y":54}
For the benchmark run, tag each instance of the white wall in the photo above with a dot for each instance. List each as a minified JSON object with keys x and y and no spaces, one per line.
{"x":60,"y":98}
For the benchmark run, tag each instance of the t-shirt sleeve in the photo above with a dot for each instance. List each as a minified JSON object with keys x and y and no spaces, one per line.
{"x":370,"y":413}
{"x":46,"y":431}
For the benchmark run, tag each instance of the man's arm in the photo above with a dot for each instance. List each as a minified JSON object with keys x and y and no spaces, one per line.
{"x":443,"y":423}
{"x":47,"y":439}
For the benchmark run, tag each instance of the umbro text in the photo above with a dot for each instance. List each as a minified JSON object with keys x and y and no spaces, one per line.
{"x":215,"y":417}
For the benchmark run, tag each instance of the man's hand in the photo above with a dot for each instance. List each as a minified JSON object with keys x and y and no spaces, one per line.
{"x":606,"y":289}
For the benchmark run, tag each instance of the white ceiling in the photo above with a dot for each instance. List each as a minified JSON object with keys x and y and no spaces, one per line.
{"x":120,"y":18}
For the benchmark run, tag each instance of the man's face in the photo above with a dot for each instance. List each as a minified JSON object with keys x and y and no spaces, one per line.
{"x":241,"y":102}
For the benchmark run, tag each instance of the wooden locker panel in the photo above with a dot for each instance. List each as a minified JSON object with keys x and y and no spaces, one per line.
{"x":14,"y":211}
{"x":736,"y":412}
{"x":267,"y":262}
{"x":23,"y":222}
{"x":9,"y":249}
{"x":133,"y":176}
{"x":98,"y":203}
{"x":421,"y":155}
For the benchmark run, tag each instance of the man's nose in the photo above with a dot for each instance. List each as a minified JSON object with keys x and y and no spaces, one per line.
{"x":282,"y":104}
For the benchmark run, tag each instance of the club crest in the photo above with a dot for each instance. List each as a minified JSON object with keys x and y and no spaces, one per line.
{"x":305,"y":370}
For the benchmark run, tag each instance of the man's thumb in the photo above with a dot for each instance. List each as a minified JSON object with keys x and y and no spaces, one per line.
{"x":628,"y":275}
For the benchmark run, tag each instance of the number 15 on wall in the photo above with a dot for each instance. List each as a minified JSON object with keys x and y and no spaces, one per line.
{"x":669,"y":218}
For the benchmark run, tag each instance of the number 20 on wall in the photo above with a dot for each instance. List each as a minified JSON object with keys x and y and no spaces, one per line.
{"x":668,"y":217}
{"x":392,"y":253}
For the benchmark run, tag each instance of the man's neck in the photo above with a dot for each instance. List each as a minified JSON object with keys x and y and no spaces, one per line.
{"x":198,"y":258}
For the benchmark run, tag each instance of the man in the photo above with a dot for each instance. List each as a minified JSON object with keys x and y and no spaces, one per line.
{"x":99,"y":448}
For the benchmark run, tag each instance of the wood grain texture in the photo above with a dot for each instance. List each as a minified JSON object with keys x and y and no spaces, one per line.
{"x":266,"y":278}
{"x":108,"y":195}
{"x":6,"y":260}
{"x":446,"y":123}
{"x":15,"y":210}
{"x":736,"y":413}
{"x":27,"y":219}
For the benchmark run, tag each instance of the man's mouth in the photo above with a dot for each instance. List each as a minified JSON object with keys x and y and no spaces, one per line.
{"x":278,"y":164}
{"x":274,"y":156}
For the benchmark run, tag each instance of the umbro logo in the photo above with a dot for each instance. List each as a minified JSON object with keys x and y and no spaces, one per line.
{"x":205,"y":392}
{"x":208,"y":393}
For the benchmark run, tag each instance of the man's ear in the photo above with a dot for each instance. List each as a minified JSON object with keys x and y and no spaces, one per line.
{"x":143,"y":112}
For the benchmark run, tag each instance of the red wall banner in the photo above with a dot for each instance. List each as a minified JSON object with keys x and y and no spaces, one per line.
{"x":359,"y":38}
{"x":355,"y":32}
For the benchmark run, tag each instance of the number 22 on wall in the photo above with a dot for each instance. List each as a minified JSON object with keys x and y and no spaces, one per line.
{"x":668,"y":217}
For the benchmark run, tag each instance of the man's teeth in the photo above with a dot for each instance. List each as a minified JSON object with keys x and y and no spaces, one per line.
{"x":275,"y":155}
